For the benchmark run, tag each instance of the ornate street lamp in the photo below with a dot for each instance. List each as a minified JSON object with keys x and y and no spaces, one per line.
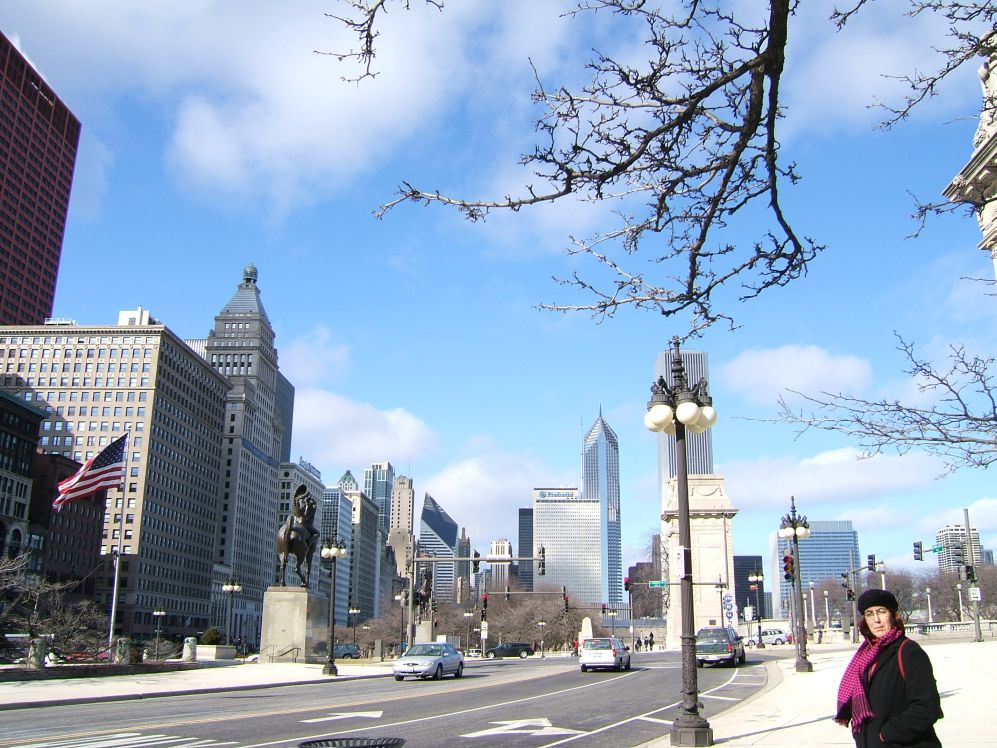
{"x":756,"y":578}
{"x":332,"y":551}
{"x":611,"y":614}
{"x":230,"y":588}
{"x":793,"y":529}
{"x":158,"y":614}
{"x":468,"y":615}
{"x":541,"y":623}
{"x":673,"y":410}
{"x":354,"y":612}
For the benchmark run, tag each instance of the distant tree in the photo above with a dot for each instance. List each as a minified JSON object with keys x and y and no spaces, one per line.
{"x":681,"y":143}
{"x":211,"y":636}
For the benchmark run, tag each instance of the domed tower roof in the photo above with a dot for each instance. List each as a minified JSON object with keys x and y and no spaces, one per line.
{"x":246,"y":300}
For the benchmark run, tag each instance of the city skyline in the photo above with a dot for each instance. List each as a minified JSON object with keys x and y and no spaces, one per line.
{"x":202,"y":152}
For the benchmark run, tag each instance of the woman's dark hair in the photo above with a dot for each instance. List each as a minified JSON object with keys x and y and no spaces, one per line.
{"x":898,"y":623}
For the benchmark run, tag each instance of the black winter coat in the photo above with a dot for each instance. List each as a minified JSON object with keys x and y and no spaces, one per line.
{"x":905,"y":706}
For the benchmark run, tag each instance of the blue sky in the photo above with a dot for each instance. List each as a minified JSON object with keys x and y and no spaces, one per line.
{"x":214,"y":136}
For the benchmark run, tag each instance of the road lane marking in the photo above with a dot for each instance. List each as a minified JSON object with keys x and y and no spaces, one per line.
{"x":450,"y":715}
{"x":537,"y":727}
{"x":721,"y":698}
{"x":656,"y":720}
{"x":345,"y":715}
{"x":127,"y":740}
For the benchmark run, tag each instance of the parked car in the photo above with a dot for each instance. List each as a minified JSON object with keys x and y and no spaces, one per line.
{"x":510,"y":649}
{"x":770,"y":636}
{"x":346,"y":651}
{"x":719,"y":644}
{"x":430,"y":660}
{"x":473,"y":652}
{"x":604,"y":652}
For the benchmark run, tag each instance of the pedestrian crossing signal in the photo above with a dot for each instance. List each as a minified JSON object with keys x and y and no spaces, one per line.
{"x":787,"y":566}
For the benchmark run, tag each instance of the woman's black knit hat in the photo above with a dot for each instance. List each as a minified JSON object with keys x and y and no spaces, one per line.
{"x":885,"y":598}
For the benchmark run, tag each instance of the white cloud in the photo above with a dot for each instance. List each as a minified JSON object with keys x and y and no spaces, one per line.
{"x":484,"y":491}
{"x":314,"y":358}
{"x":833,"y":477}
{"x":761,"y":376}
{"x":332,"y":430}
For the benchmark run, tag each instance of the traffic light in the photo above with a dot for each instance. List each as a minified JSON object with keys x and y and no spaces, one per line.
{"x":432,"y":604}
{"x":542,"y":561}
{"x":604,"y":610}
{"x":507,"y":593}
{"x":870,"y":562}
{"x":844,"y":581}
{"x":918,"y":551}
{"x":787,"y":566}
{"x":476,"y":562}
{"x":850,"y":594}
{"x":484,"y":606}
{"x":404,"y":597}
{"x":626,"y":584}
{"x":484,"y":615}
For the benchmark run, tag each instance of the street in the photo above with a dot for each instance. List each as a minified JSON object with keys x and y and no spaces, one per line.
{"x":535,"y":702}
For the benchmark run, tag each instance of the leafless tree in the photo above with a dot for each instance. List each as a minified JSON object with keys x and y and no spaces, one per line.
{"x":681,"y":145}
{"x":956,"y":419}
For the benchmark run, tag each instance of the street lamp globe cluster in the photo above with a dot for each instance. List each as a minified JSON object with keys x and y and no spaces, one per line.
{"x":674,"y":409}
{"x":230,"y":588}
{"x":331,"y":552}
{"x":794,"y":528}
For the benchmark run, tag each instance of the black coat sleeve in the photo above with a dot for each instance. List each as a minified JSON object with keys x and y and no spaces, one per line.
{"x":923,"y":707}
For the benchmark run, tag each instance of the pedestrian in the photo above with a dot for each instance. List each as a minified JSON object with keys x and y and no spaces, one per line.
{"x":888,"y":692}
{"x":637,"y":644}
{"x":650,"y":641}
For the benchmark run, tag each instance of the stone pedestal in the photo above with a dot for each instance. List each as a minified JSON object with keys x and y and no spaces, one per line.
{"x":295,"y":626}
{"x":424,"y":632}
{"x":710,"y":524}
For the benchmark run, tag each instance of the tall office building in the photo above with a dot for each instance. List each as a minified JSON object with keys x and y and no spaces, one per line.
{"x":98,"y":382}
{"x":526,"y":547}
{"x":19,"y":426}
{"x":699,"y":447}
{"x":571,"y":530}
{"x":337,"y":527}
{"x":284,"y":411}
{"x":463,"y":585}
{"x":500,"y":570}
{"x":241,"y":347}
{"x":601,"y":483}
{"x":378,"y":484}
{"x":954,"y":553}
{"x":831,"y":550}
{"x":400,"y":536}
{"x":744,"y":567}
{"x":38,"y":141}
{"x":363,"y":557}
{"x":438,"y":538}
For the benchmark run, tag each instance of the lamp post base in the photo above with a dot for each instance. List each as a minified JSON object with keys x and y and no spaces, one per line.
{"x":691,"y":731}
{"x":330,"y":669}
{"x":803,"y":665}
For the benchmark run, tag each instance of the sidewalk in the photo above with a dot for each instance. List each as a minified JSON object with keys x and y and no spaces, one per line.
{"x":234,"y":677}
{"x":796,"y":709}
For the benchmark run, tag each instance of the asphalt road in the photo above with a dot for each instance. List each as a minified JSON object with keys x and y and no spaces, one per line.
{"x":497,"y":703}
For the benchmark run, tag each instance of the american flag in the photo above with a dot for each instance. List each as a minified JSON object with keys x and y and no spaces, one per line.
{"x":102,"y":471}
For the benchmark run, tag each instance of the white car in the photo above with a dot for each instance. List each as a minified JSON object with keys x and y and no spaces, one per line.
{"x":769,"y":636}
{"x":604,"y":652}
{"x":429,"y":660}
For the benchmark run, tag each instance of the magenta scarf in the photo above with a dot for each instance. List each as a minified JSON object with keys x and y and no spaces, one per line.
{"x":852,"y":701}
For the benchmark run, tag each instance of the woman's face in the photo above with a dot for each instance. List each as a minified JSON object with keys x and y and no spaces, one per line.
{"x":879,"y":620}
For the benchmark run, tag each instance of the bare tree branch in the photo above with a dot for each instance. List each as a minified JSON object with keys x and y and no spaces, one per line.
{"x":957,"y":423}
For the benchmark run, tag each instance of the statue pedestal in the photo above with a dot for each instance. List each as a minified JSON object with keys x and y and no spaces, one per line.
{"x":295,"y":626}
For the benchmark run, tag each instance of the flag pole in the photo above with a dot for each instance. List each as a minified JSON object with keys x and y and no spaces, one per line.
{"x":117,"y":557}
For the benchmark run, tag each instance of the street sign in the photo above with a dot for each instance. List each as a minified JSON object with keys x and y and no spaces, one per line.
{"x":936,"y":548}
{"x":484,"y":629}
{"x":728,"y":598}
{"x":975,"y":595}
{"x":656,"y":584}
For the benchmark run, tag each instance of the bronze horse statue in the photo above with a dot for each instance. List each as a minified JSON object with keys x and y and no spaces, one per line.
{"x":298,"y":536}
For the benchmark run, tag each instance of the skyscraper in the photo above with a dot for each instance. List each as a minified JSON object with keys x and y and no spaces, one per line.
{"x":438,"y":538}
{"x":526,"y":547}
{"x":601,"y":483}
{"x":378,"y":483}
{"x":241,"y":347}
{"x":141,"y":379}
{"x":337,"y":526}
{"x":571,"y":530}
{"x":38,"y":141}
{"x":954,"y":553}
{"x":400,"y":533}
{"x":831,"y":550}
{"x":463,"y":591}
{"x":699,"y":447}
{"x":500,"y":570}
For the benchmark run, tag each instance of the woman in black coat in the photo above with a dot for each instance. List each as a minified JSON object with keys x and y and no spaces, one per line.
{"x":888,"y":693}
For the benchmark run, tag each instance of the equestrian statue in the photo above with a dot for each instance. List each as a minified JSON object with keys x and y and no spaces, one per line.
{"x":298,"y":536}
